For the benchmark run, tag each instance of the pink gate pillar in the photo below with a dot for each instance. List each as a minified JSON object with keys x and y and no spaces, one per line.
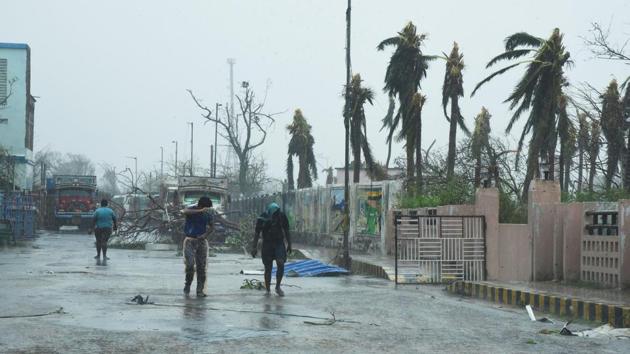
{"x":624,"y":243}
{"x":487,"y":204}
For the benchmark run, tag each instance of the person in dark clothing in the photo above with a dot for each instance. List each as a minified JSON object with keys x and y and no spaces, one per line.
{"x":195,"y":245}
{"x":104,"y":221}
{"x":274,"y":226}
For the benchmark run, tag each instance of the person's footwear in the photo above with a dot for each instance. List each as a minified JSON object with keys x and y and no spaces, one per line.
{"x":97,"y":257}
{"x":200,"y":293}
{"x":106,"y":258}
{"x":279,"y":292}
{"x":267,"y":293}
{"x":189,"y":279}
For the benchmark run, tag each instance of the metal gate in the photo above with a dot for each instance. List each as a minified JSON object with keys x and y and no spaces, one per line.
{"x":439,"y":249}
{"x":19,"y":212}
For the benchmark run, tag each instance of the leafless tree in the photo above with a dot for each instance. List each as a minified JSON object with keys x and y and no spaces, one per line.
{"x":7,"y":170}
{"x":75,"y":164}
{"x":601,"y":46}
{"x":109,"y":180}
{"x":245,"y":131}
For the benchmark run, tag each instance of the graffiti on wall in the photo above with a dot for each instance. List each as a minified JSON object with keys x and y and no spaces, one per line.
{"x":337,"y":203}
{"x":368,"y":220}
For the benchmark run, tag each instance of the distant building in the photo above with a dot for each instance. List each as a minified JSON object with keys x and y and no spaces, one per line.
{"x":392,"y":173}
{"x":17,"y":111}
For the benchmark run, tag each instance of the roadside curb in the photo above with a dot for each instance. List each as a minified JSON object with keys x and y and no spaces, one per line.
{"x":615,"y":315}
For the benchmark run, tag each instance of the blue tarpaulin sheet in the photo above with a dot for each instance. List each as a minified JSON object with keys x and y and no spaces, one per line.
{"x":310,"y":268}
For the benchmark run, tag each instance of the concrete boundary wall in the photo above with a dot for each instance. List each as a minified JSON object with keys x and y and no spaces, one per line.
{"x":316,"y":214}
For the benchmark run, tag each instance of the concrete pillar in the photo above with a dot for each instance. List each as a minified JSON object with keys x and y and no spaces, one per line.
{"x":543,"y":196}
{"x":624,"y":243}
{"x":487,"y":204}
{"x":572,"y":238}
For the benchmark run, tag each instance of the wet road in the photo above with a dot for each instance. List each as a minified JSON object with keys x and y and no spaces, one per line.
{"x":375,"y":317}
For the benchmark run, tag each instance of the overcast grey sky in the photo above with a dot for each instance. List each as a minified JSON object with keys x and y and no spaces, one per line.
{"x":112,"y":75}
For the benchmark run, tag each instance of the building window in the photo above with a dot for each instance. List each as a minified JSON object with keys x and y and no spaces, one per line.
{"x":3,"y":82}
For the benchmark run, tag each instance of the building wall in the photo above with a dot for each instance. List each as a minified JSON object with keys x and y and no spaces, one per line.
{"x":513,"y":253}
{"x":13,"y":132}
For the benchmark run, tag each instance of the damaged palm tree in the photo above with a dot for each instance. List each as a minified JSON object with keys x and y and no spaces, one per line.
{"x":301,"y":145}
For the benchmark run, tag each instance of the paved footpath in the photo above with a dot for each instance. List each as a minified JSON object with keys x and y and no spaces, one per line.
{"x":373,"y":315}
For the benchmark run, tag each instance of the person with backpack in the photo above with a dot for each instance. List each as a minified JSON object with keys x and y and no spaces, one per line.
{"x":103,"y":222}
{"x":195,"y":245}
{"x":274,"y":226}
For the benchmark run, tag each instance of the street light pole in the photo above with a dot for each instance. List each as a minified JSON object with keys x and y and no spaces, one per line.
{"x":191,"y":148}
{"x":161,"y":162}
{"x":216,"y":133}
{"x":134,"y":180}
{"x":176,"y":172}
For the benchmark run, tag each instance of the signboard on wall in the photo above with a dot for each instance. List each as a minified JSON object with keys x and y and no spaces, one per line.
{"x":369,"y":204}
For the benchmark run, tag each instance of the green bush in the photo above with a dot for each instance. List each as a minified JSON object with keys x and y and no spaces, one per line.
{"x":610,"y":195}
{"x":451,"y":193}
{"x":511,"y":211}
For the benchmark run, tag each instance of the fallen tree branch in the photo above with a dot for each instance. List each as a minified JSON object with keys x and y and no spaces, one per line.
{"x":58,"y":311}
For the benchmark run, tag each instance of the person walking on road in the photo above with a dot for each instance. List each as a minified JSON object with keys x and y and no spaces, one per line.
{"x":195,"y":245}
{"x":274,"y":226}
{"x":104,"y":221}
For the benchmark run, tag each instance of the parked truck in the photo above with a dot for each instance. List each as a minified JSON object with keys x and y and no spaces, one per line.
{"x":191,"y":188}
{"x":72,"y":199}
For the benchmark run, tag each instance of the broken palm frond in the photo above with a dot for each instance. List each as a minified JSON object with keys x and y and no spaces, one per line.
{"x":59,"y":311}
{"x":328,"y":322}
{"x":252,"y":284}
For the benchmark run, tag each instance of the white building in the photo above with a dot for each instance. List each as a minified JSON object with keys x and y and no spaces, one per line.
{"x":339,"y":178}
{"x":17,"y":109}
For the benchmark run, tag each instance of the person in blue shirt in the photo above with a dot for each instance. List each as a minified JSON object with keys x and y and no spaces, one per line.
{"x":195,"y":245}
{"x":104,"y":221}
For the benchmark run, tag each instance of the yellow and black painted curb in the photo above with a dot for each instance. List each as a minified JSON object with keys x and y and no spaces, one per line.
{"x":617,"y":316}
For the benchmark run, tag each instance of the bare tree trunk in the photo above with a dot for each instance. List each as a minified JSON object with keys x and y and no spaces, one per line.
{"x":580,"y":167}
{"x":410,"y":148}
{"x":626,"y":172}
{"x":561,"y":164}
{"x":478,"y":172}
{"x":452,"y":139}
{"x":346,"y":211}
{"x":356,"y":170}
{"x":419,"y":180}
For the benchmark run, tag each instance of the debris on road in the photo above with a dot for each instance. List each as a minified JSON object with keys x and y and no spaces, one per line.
{"x":252,"y":284}
{"x":325,"y":323}
{"x":311,"y":268}
{"x":605,"y":331}
{"x":565,"y":331}
{"x":59,"y":311}
{"x":532,"y":317}
{"x":252,"y":272}
{"x":140,"y":300}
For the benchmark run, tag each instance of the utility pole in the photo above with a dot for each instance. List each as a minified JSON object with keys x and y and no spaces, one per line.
{"x":346,"y":119}
{"x":211,"y":160}
{"x":191,"y":148}
{"x":176,"y":172}
{"x":216,"y":132}
{"x":231,"y":62}
{"x":161,"y":162}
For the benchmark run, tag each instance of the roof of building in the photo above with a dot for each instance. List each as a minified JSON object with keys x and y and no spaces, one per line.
{"x":14,"y":45}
